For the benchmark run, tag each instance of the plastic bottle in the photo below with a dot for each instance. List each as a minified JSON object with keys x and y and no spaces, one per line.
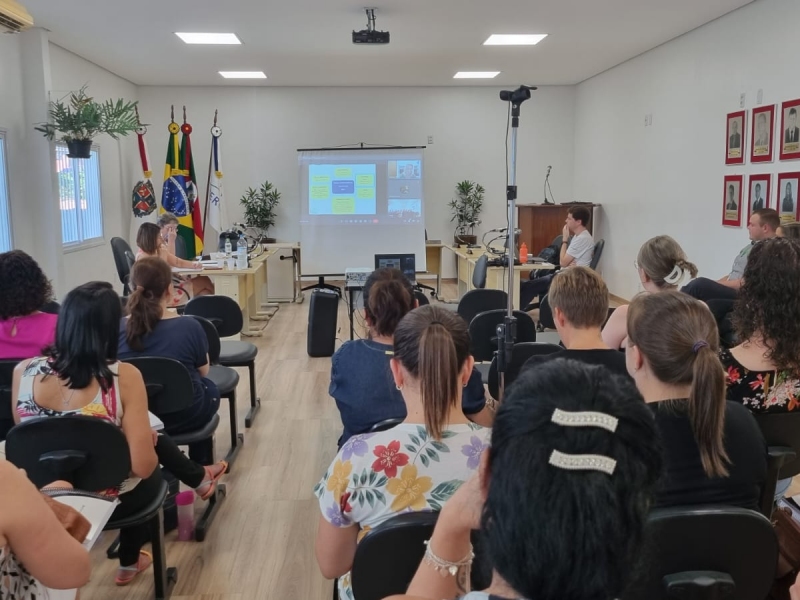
{"x":523,"y":253}
{"x":241,"y":252}
{"x":228,"y":247}
{"x":185,"y":503}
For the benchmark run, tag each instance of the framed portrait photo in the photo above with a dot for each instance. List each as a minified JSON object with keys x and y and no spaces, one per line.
{"x":790,"y":130}
{"x":734,"y":138}
{"x":732,"y":201}
{"x":787,"y":196}
{"x":762,"y":130}
{"x":758,"y":193}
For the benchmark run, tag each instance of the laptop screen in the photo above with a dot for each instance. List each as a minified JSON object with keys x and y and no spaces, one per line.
{"x":404,"y":262}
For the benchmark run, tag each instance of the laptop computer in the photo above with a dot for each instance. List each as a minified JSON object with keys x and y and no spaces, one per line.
{"x":404,"y":262}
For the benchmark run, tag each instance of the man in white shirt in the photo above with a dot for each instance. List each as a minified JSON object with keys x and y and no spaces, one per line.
{"x":577,"y":251}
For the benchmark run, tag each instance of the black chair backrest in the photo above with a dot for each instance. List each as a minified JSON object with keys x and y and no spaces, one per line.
{"x":214,"y":346}
{"x":706,"y":553}
{"x":168,"y":384}
{"x":597,"y":253}
{"x":222,"y":311}
{"x":51,"y":307}
{"x":180,"y":249}
{"x":483,"y":331}
{"x":89,"y":452}
{"x":478,"y":301}
{"x":479,"y":272}
{"x":6,"y":375}
{"x":546,"y":314}
{"x":120,"y":248}
{"x":521,"y":353}
{"x":386,"y":424}
{"x":782,"y":433}
{"x":421,"y":298}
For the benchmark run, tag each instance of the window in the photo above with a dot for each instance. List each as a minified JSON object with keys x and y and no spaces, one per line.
{"x":5,"y":221}
{"x":79,"y":197}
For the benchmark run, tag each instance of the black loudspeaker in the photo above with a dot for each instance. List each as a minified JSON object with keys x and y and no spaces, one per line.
{"x":322,"y":313}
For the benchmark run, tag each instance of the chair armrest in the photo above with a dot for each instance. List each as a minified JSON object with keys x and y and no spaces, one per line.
{"x":699,"y":585}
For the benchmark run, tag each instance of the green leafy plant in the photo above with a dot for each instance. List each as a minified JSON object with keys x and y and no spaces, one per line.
{"x":467,"y":206}
{"x":80,"y":118}
{"x":259,"y":206}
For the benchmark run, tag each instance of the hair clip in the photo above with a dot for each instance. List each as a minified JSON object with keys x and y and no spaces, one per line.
{"x":583,"y":462}
{"x":675,"y":275}
{"x":585,"y":419}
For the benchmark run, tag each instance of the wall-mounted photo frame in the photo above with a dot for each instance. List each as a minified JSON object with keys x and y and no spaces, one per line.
{"x":786,"y":196}
{"x":762,"y":131}
{"x":735,"y":125}
{"x":732,"y":201}
{"x":758,"y":193}
{"x":790,"y":130}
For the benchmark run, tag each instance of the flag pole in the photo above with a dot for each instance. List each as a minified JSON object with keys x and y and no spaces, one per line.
{"x":208,"y":179}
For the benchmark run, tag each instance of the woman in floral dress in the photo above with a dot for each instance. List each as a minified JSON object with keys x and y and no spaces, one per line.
{"x":415,"y":466}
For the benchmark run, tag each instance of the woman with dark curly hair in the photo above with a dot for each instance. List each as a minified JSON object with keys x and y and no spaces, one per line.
{"x":763,"y":372}
{"x":24,"y":290}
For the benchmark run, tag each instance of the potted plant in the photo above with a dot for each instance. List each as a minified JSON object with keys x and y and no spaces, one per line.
{"x":259,"y":209}
{"x":80,"y":119}
{"x":467,"y":208}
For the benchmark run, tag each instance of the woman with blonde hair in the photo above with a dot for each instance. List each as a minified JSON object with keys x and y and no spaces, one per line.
{"x":662,"y":265}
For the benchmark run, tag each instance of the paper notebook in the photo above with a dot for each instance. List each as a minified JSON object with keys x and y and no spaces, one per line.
{"x":155,"y":422}
{"x":95,"y":508}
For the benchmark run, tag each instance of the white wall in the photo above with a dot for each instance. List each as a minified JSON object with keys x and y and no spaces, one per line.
{"x":668,"y":178}
{"x":263,"y":128}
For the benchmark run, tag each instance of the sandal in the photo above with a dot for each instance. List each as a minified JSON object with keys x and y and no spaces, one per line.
{"x":126,"y":574}
{"x":211,"y":481}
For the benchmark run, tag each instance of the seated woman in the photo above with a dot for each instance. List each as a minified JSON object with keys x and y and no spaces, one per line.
{"x":151,"y":330}
{"x":36,"y":551}
{"x":361,"y":381}
{"x":150,"y":241}
{"x":80,"y":375}
{"x":532,"y":509}
{"x":714,"y":450}
{"x":662,"y":265}
{"x":400,"y":467}
{"x":24,"y":289}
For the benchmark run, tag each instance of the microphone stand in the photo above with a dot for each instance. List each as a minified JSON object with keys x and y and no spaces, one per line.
{"x":547,"y":185}
{"x":507,"y":330}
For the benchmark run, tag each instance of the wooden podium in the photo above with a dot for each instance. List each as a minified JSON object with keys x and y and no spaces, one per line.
{"x":541,"y":223}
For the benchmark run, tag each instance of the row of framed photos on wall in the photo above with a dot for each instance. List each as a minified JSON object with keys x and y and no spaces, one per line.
{"x":762,"y":134}
{"x":759,"y":195}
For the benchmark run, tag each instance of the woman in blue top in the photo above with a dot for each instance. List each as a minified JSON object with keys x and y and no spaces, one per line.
{"x":152,"y":330}
{"x":361,"y":380}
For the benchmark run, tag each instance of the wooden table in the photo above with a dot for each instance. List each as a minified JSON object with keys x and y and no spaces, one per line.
{"x":496,"y":277}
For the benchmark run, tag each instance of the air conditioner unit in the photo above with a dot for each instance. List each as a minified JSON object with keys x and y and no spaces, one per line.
{"x":13,"y":17}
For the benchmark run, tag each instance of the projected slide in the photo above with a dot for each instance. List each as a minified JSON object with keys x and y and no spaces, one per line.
{"x":342,"y":189}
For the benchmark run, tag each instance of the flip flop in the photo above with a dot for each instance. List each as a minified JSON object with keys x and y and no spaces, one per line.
{"x":212,"y":480}
{"x":129,"y":573}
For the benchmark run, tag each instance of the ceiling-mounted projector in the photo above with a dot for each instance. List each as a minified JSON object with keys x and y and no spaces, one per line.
{"x":370,"y":35}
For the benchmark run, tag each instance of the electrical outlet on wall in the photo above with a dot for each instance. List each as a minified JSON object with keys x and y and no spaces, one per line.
{"x":648,"y":120}
{"x":430,"y":139}
{"x":742,"y":98}
{"x":760,"y":97}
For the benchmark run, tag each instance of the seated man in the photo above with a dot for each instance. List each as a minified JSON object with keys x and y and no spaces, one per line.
{"x":579,"y":299}
{"x":575,"y":252}
{"x":763,"y":225}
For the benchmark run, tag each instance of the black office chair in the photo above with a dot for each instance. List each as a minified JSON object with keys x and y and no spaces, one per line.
{"x":479,"y":272}
{"x":782,"y":432}
{"x":519,"y":355}
{"x":708,"y":553}
{"x":478,"y":301}
{"x":483,"y":332}
{"x":226,"y":316}
{"x":92,"y":454}
{"x":421,"y":298}
{"x":180,"y":249}
{"x":51,"y":307}
{"x":386,"y":424}
{"x":123,"y":260}
{"x":170,"y":389}
{"x":6,"y":375}
{"x":227,"y":380}
{"x":545,"y":315}
{"x":597,"y":253}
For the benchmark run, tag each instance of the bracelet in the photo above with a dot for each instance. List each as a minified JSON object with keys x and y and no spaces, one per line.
{"x":445,"y":567}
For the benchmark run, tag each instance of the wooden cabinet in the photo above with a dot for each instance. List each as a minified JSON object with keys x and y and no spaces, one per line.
{"x":541,"y":223}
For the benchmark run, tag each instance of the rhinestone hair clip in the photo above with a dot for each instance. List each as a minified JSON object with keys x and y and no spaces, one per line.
{"x":582,"y":462}
{"x":585,"y":419}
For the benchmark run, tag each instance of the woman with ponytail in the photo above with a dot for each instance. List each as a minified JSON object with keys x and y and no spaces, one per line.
{"x":151,"y":330}
{"x":714,"y":451}
{"x":415,"y":466}
{"x":662,"y":266}
{"x":361,"y":381}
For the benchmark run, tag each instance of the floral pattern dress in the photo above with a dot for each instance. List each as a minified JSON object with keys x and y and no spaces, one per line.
{"x":760,"y":391}
{"x":15,"y":581}
{"x":376,"y":476}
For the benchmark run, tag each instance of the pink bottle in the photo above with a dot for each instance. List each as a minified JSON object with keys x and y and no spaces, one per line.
{"x":185,"y":503}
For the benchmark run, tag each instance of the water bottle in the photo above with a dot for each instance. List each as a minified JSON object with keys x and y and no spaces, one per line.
{"x":185,"y":502}
{"x":228,"y":247}
{"x":241,"y":252}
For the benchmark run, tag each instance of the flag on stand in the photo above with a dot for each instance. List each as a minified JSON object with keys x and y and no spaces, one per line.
{"x":215,"y":201}
{"x":143,"y":201}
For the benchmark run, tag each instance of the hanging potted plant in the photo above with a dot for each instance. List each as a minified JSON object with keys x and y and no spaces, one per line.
{"x":467,"y":208}
{"x":259,"y":209}
{"x":79,"y":119}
